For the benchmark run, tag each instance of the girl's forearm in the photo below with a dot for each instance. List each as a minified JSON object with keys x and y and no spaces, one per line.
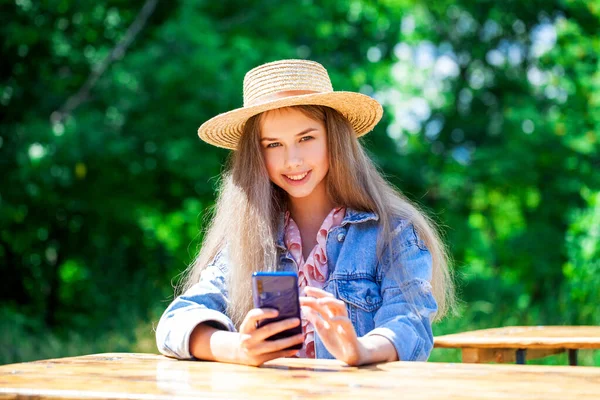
{"x":212,"y":344}
{"x":376,"y":348}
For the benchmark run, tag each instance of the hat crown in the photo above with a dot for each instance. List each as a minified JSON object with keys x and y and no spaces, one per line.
{"x":266,"y":81}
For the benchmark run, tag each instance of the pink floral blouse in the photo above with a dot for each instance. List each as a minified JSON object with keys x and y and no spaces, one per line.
{"x":312,"y":271}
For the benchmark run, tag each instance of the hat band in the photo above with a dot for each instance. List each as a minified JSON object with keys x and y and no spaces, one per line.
{"x":278,"y":96}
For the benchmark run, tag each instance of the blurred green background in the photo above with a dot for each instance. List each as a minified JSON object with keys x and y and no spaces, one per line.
{"x":492,"y":118}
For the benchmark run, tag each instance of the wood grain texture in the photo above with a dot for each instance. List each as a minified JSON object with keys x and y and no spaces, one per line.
{"x":503,"y":355}
{"x":155,"y":377}
{"x":525,"y":337}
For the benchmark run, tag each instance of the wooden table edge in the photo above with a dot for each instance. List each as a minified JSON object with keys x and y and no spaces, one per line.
{"x":473,"y":344}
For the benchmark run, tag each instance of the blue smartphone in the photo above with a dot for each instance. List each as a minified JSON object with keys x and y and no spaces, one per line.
{"x":278,"y":290}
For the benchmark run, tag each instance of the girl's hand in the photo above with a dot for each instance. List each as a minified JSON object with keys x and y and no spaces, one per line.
{"x":253,"y":348}
{"x":330,"y":320}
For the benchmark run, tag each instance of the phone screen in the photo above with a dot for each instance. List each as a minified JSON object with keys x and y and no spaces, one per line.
{"x":278,"y":290}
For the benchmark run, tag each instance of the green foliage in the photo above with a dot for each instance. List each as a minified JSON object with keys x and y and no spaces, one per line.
{"x":582,"y":271}
{"x":491,"y":123}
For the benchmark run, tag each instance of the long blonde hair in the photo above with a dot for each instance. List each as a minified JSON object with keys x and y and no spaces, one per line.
{"x":249,"y":205}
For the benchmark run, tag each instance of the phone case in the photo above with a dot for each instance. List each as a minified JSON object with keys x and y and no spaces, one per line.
{"x":278,"y":290}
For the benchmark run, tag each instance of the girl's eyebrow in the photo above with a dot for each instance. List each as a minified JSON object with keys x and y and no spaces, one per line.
{"x":266,"y":139}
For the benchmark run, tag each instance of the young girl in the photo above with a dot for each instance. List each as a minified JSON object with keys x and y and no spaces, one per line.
{"x":301,"y":195}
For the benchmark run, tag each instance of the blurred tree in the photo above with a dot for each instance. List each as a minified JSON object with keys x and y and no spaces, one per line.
{"x":583,"y":267}
{"x":52,"y":220}
{"x":495,"y":105}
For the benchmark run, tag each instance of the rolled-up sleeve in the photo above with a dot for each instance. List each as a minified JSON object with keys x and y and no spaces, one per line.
{"x":408,"y":304}
{"x":205,"y":302}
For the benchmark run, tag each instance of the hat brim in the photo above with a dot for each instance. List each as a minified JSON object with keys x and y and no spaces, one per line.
{"x":225,"y":130}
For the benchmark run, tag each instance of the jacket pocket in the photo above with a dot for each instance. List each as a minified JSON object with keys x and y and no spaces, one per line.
{"x":361,"y":292}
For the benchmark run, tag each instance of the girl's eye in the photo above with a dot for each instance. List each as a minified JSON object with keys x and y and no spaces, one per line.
{"x":305,"y":138}
{"x":271,"y":145}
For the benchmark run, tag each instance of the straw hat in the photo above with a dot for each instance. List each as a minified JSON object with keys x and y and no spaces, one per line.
{"x":289,"y":83}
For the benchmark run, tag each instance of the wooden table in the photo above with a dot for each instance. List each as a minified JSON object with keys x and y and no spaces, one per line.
{"x":515,"y":343}
{"x":150,"y":377}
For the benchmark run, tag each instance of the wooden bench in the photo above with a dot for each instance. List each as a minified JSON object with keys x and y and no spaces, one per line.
{"x":155,"y":377}
{"x":516,"y":343}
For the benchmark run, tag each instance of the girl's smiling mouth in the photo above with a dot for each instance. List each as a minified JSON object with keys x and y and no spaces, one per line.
{"x":297,"y":179}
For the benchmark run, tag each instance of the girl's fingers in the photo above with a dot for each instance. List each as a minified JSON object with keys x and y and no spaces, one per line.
{"x":275,"y":346}
{"x":255,"y":315}
{"x":341,"y":324}
{"x":316,"y":292}
{"x":277,"y":354}
{"x":274,"y":328}
{"x":310,"y":314}
{"x":328,"y":307}
{"x":316,"y":319}
{"x":344,"y":326}
{"x":336,"y":307}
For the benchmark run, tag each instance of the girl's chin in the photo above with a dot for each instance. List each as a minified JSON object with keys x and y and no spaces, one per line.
{"x":294,"y":192}
{"x":298,"y":195}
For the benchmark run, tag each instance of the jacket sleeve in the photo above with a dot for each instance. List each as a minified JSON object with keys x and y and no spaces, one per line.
{"x":408,"y":304}
{"x":205,"y":302}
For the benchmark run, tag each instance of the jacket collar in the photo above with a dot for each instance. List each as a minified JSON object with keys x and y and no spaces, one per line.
{"x":351,"y":217}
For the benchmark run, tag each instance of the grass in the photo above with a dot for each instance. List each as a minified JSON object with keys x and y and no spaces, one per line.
{"x":24,"y":341}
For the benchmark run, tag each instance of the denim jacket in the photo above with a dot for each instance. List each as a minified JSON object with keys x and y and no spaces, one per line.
{"x":376,"y":298}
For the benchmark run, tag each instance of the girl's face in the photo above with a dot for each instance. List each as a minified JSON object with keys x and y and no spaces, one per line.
{"x":295,"y":151}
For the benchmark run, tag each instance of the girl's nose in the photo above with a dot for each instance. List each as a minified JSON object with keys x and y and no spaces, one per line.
{"x":293,"y":159}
